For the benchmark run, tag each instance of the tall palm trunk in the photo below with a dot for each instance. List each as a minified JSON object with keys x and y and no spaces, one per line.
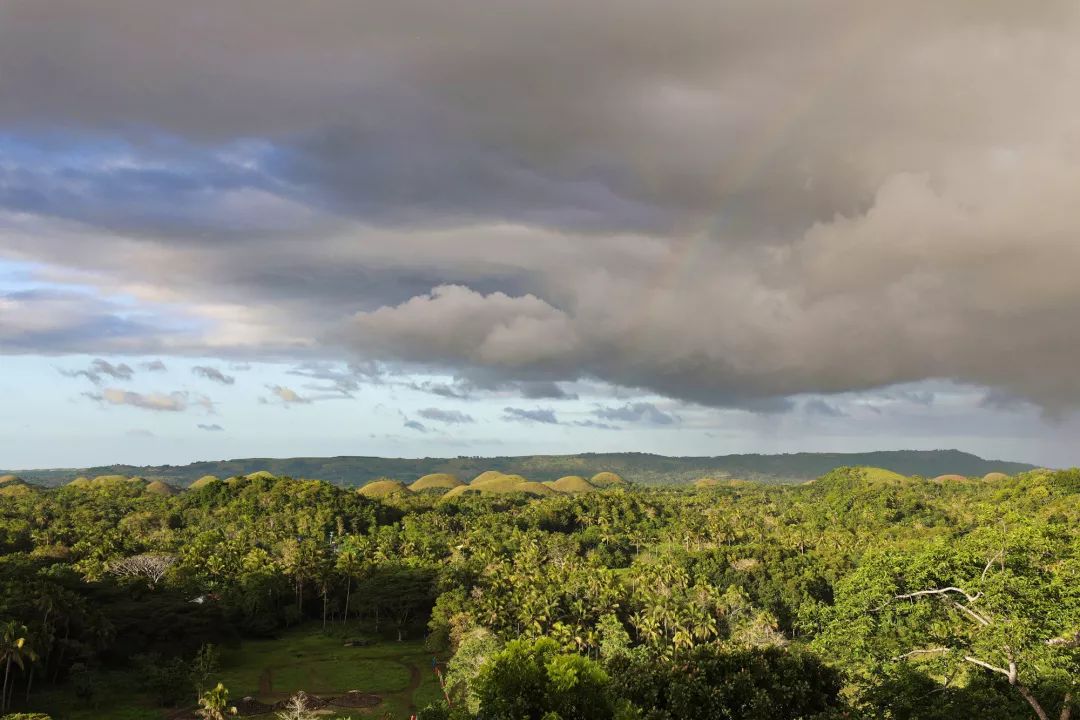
{"x":348,"y":593}
{"x":7,"y":673}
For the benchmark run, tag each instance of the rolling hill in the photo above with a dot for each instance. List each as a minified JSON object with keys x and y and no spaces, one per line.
{"x":639,"y":468}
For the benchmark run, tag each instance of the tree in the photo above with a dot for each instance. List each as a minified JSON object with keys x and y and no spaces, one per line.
{"x":214,"y":704}
{"x":297,"y":708}
{"x":715,"y":682}
{"x":535,"y":681}
{"x":203,"y":666}
{"x":398,"y":590}
{"x":1001,"y":602}
{"x":149,"y":566}
{"x":13,"y":650}
{"x":349,"y":561}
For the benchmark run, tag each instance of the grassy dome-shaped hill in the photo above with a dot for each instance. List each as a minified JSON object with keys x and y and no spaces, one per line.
{"x":383,"y":488}
{"x":459,"y":491}
{"x":108,"y":479}
{"x":950,"y":478}
{"x":15,"y":489}
{"x":79,"y":482}
{"x":606,"y":479}
{"x":260,"y":475}
{"x":995,"y":477}
{"x":436,"y":481}
{"x":159,"y":487}
{"x":706,"y":482}
{"x":571,"y":484}
{"x":486,"y":477}
{"x":204,"y":481}
{"x":500,"y":484}
{"x":882,"y":475}
{"x":533,"y":488}
{"x":6,"y":479}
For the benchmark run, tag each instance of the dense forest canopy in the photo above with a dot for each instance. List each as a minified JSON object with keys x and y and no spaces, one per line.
{"x":641,"y":468}
{"x":863,"y":594}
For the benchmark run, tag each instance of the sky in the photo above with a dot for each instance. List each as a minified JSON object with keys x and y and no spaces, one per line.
{"x":419,"y":228}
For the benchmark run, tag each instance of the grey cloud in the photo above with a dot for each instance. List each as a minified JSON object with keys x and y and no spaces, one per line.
{"x":483,"y":384}
{"x":595,"y":425}
{"x":920,"y":397}
{"x":414,"y":425}
{"x":1003,"y":400}
{"x":542,"y":390}
{"x":340,"y":380}
{"x":100,"y":370}
{"x":639,"y":412}
{"x":822,"y":408}
{"x":153,"y":366}
{"x":450,"y":417}
{"x":538,"y":415}
{"x":58,"y":321}
{"x":447,"y":390}
{"x":211,"y":428}
{"x":727,"y":203}
{"x":213,"y":374}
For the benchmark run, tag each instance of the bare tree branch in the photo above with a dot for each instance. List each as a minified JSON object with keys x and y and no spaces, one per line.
{"x":1000,"y":554}
{"x":1065,"y":642}
{"x":924,"y":651}
{"x":939,"y":591}
{"x":988,"y":666}
{"x":149,"y":566}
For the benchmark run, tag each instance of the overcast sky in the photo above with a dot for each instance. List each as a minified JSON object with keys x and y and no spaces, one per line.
{"x":426,"y":228}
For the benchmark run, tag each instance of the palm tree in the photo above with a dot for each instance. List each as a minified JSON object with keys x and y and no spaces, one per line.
{"x":13,"y":649}
{"x":349,"y":562}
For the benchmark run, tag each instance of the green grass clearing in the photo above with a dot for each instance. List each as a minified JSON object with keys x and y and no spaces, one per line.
{"x":302,"y":658}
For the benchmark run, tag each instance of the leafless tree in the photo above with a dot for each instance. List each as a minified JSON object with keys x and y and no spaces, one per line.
{"x":150,"y":566}
{"x":297,"y":708}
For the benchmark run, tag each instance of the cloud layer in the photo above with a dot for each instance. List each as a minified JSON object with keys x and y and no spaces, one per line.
{"x":723,"y":202}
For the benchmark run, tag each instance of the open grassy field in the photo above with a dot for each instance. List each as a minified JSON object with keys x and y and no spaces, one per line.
{"x":303,"y":658}
{"x":306,"y":659}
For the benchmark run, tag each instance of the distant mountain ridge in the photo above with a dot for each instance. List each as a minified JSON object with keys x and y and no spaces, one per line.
{"x":642,"y":468}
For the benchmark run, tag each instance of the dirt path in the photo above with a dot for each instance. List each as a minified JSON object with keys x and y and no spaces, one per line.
{"x":414,"y":683}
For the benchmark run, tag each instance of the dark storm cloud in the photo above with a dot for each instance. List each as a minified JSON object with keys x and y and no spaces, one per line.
{"x":723,"y":202}
{"x":211,"y":428}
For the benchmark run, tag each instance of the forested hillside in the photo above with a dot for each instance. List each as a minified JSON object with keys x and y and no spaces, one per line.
{"x":864,"y":594}
{"x":641,"y":468}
